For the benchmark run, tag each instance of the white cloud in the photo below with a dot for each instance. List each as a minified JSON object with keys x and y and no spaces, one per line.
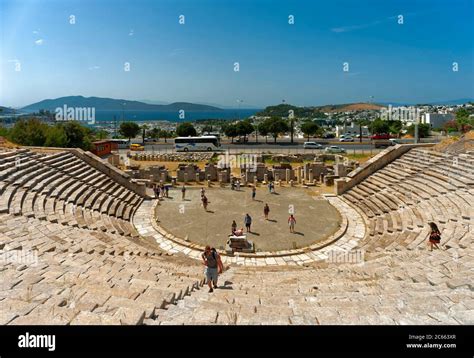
{"x":93,"y":68}
{"x":131,"y":33}
{"x":39,"y":42}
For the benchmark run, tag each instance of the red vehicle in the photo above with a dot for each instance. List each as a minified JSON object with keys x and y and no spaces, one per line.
{"x":381,"y":136}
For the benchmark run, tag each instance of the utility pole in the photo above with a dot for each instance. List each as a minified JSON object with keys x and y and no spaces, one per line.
{"x":292,"y":124}
{"x":416,"y":132}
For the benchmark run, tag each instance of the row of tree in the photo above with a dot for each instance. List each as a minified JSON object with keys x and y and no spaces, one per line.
{"x":34,"y":132}
{"x":131,"y":130}
{"x":462,"y":123}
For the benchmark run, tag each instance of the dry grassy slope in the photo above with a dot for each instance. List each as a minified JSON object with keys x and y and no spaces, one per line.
{"x":456,"y":145}
{"x":351,"y":107}
{"x":4,"y":143}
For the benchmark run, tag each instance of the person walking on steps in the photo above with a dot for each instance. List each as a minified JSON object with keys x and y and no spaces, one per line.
{"x":214,"y":266}
{"x":435,"y":236}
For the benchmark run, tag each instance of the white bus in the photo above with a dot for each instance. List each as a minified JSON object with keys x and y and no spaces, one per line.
{"x":194,"y":144}
{"x":121,"y":143}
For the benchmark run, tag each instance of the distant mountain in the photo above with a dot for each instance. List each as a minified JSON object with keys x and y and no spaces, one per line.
{"x":6,"y":110}
{"x":110,"y":104}
{"x":282,"y":110}
{"x":150,"y":101}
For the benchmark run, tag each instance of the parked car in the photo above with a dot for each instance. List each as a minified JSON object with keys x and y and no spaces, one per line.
{"x":380,"y":136}
{"x":312,"y":145}
{"x":137,"y":147}
{"x":335,"y":149}
{"x":151,"y":140}
{"x":346,"y":139}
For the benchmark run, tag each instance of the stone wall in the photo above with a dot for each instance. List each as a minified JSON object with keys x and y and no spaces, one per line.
{"x":109,"y":170}
{"x":372,"y":165}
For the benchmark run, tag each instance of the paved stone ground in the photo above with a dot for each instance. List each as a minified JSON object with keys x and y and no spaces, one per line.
{"x":316,"y":218}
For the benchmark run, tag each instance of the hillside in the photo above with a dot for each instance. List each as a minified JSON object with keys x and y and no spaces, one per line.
{"x":110,"y":104}
{"x":6,"y":110}
{"x":281,"y":110}
{"x":350,"y":107}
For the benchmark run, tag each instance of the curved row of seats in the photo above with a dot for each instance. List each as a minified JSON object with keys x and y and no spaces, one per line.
{"x":405,"y":287}
{"x":421,"y":186}
{"x":57,"y":274}
{"x":62,"y":188}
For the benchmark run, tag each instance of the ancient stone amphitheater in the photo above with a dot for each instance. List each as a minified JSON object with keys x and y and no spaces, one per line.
{"x":79,"y":246}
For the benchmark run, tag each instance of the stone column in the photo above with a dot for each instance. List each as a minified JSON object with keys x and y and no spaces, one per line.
{"x":300,"y":173}
{"x":185,"y":177}
{"x":311,"y":178}
{"x":288,"y":175}
{"x":292,"y":183}
{"x":265,"y":178}
{"x":197,"y":177}
{"x":208,"y":183}
{"x":255,"y":181}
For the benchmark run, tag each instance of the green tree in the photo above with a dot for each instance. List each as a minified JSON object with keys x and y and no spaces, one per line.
{"x":4,"y":132}
{"x":56,"y":137}
{"x":30,"y":132}
{"x":244,"y":128}
{"x":186,"y":129}
{"x":129,"y":129}
{"x":77,"y":136}
{"x":263,"y":130}
{"x":462,"y":119}
{"x":309,"y":128}
{"x":379,"y":126}
{"x":100,"y":134}
{"x":277,"y":126}
{"x":395,"y":127}
{"x":230,"y":130}
{"x":165,"y":134}
{"x":155,"y":133}
{"x":423,"y":130}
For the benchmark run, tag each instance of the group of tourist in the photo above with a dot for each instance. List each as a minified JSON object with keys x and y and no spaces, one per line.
{"x":161,"y":190}
{"x":248,"y":222}
{"x":235,"y":184}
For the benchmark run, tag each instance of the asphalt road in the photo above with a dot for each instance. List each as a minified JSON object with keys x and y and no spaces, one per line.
{"x":282,"y":146}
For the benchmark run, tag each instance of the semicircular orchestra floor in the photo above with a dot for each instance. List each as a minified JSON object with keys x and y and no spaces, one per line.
{"x":316,"y":218}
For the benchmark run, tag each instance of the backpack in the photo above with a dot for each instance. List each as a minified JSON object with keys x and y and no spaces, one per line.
{"x":212,"y":259}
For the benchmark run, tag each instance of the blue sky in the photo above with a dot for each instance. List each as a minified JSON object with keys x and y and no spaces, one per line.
{"x":301,"y":63}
